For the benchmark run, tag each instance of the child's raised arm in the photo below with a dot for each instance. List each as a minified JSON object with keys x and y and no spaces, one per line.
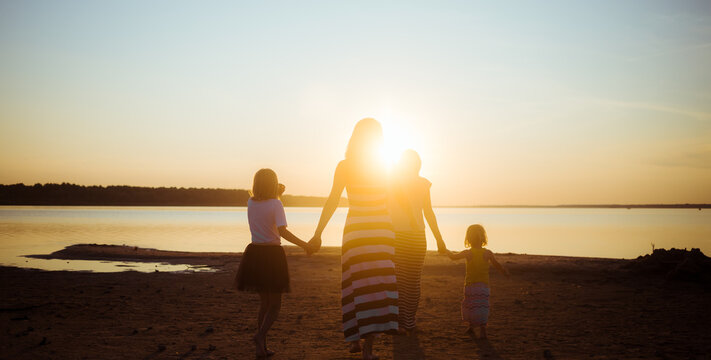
{"x":290,"y":237}
{"x":457,"y":256}
{"x":496,"y":264}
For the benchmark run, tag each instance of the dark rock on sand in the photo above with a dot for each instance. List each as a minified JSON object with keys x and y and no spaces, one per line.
{"x":675,"y":265}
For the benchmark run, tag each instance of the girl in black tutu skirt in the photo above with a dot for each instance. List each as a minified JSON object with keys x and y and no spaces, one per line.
{"x":263,"y":268}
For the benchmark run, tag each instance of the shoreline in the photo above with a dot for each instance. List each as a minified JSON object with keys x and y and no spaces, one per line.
{"x":128,"y":253}
{"x":223,"y":261}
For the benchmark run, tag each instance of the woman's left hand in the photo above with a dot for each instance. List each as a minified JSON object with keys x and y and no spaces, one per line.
{"x":442,"y":249}
{"x":315,"y":244}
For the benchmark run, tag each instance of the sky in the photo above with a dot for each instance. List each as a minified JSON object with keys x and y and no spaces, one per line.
{"x":530,"y":102}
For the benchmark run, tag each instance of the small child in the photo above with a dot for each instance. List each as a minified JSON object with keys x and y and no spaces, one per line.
{"x":263,"y":268}
{"x":475,"y":306}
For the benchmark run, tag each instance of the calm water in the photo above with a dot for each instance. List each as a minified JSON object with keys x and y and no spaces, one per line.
{"x":612,"y":233}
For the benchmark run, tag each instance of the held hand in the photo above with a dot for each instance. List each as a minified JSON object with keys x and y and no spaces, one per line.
{"x":309,"y":250}
{"x":315,"y":244}
{"x":442,"y":250}
{"x":281,"y":189}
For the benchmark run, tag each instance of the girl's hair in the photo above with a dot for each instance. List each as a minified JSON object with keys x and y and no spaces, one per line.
{"x":475,"y":233}
{"x":410,"y":163}
{"x":265,"y":186}
{"x":366,"y":141}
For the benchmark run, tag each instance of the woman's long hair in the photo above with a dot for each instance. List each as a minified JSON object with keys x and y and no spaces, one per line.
{"x":366,"y":141}
{"x":365,"y":146}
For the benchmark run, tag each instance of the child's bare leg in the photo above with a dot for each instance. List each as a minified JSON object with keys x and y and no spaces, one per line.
{"x":368,"y":348}
{"x":355,"y":347}
{"x":470,"y":329}
{"x":273,"y":305}
{"x":259,"y":340}
{"x":482,"y":332}
{"x":269,"y":317}
{"x":263,"y":306}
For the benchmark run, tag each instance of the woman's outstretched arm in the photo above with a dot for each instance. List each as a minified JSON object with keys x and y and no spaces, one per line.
{"x":339,"y":183}
{"x":432,"y":221}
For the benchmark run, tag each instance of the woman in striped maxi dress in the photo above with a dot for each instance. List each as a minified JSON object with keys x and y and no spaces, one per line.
{"x":368,"y":284}
{"x":409,"y":199}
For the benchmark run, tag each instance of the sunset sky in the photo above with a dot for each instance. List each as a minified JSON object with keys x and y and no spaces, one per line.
{"x":532,"y":102}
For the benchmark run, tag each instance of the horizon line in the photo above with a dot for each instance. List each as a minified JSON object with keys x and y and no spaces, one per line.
{"x":620,"y":205}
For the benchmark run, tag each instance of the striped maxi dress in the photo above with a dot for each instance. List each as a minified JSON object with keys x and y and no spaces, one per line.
{"x":369,"y":295}
{"x":410,"y":250}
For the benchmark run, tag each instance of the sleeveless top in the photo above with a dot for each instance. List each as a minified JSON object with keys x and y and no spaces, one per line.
{"x":405,"y":201}
{"x":477,"y":267}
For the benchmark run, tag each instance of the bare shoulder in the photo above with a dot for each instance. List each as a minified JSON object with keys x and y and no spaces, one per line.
{"x":342,"y":168}
{"x":424,"y":182}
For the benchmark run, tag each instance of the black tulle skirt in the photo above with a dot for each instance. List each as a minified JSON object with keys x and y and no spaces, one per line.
{"x":263,"y":268}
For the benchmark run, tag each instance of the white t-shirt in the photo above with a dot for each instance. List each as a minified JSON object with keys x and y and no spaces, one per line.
{"x":264,"y":219}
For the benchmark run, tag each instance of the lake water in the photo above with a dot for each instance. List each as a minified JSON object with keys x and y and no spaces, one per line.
{"x":610,"y":233}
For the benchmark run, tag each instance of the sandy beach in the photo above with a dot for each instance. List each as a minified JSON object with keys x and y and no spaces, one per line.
{"x":552,"y":307}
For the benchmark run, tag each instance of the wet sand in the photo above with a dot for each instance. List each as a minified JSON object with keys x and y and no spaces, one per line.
{"x":552,"y":307}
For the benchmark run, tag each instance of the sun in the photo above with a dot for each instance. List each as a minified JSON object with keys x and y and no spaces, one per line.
{"x":391,"y":151}
{"x":398,"y":137}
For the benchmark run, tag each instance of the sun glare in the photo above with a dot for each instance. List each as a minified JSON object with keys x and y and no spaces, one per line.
{"x":391,"y":151}
{"x":398,"y":138}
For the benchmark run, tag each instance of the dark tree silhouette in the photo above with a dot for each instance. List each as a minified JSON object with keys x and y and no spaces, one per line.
{"x":72,"y":194}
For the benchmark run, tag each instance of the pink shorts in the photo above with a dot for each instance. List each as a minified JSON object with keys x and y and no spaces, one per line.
{"x":475,"y":306}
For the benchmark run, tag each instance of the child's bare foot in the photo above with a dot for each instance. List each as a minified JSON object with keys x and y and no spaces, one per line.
{"x":266,"y":350}
{"x":260,"y":348}
{"x":368,"y":354}
{"x":355,"y":347}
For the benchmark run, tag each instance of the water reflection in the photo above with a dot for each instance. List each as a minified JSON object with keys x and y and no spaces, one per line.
{"x":103,"y":266}
{"x":615,"y":233}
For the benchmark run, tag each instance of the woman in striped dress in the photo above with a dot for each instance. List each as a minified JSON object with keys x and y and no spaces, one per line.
{"x":409,"y":199}
{"x":368,"y":284}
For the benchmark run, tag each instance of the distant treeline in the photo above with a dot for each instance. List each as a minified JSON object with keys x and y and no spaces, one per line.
{"x":71,"y":194}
